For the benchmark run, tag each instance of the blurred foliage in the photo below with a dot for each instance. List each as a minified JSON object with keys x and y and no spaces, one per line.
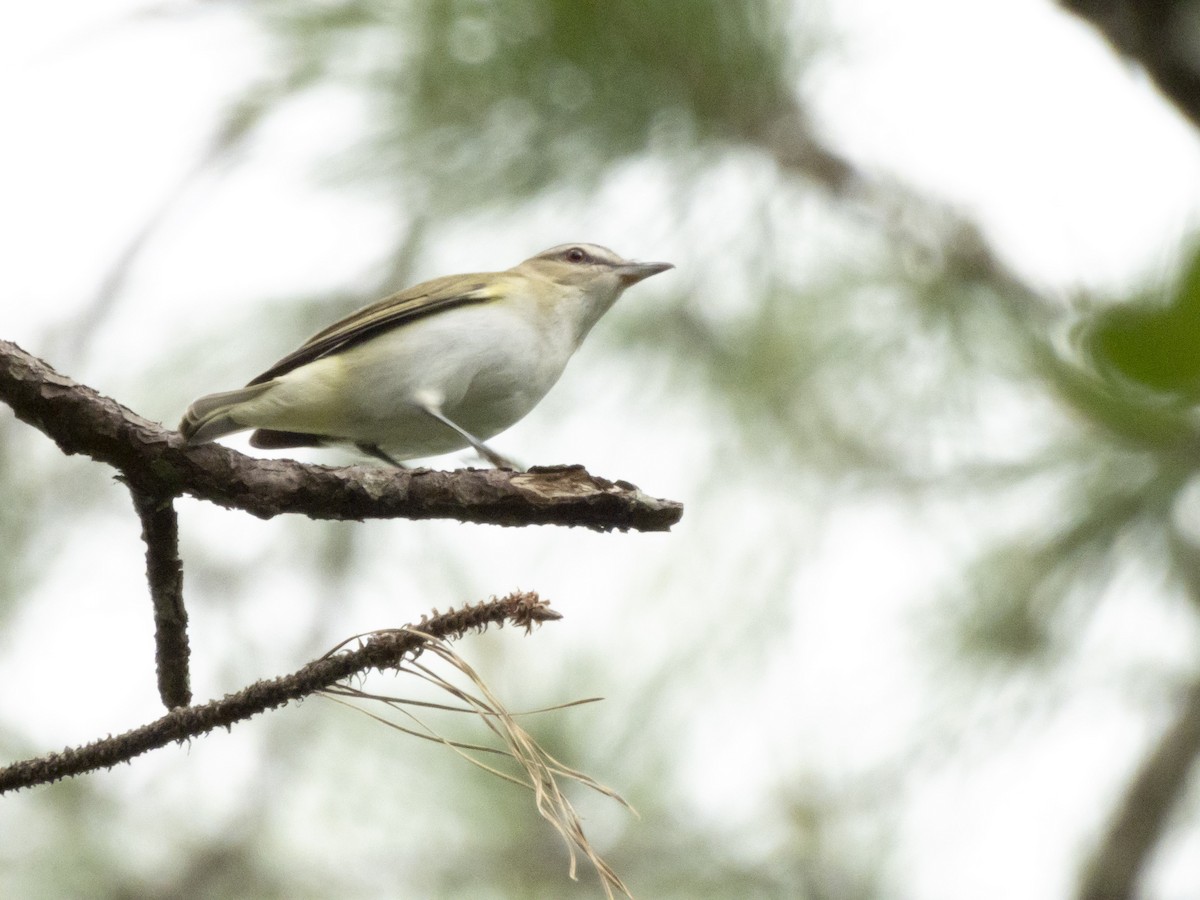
{"x":1118,"y":485}
{"x":878,"y":357}
{"x":1154,"y":341}
{"x":1030,"y":596}
{"x":480,"y":102}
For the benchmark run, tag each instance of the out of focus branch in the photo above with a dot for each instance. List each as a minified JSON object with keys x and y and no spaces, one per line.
{"x":1150,"y":31}
{"x":380,"y":650}
{"x":1161,"y":35}
{"x":1137,"y":826}
{"x":794,"y":143}
{"x":156,"y":461}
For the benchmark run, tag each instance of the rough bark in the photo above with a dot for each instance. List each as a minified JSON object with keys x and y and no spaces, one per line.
{"x":155,"y":461}
{"x":381,"y":650}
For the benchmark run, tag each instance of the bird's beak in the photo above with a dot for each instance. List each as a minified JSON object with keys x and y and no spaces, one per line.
{"x":633,"y":272}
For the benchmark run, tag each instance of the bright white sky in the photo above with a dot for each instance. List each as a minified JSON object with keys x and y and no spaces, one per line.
{"x":1025,"y":119}
{"x":1077,"y":170}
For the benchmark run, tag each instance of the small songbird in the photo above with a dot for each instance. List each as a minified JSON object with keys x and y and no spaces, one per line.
{"x":444,"y":365}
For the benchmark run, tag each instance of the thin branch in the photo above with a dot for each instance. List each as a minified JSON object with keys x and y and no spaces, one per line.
{"x":1137,"y":826}
{"x":381,"y":650}
{"x":164,"y":573}
{"x":155,"y":460}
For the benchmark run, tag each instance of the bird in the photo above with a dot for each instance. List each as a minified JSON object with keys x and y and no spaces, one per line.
{"x":441,"y":366}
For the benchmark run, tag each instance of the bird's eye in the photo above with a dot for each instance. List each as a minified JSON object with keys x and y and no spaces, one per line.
{"x":576,"y":255}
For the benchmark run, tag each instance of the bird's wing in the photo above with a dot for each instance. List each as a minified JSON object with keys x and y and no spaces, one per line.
{"x":390,"y":312}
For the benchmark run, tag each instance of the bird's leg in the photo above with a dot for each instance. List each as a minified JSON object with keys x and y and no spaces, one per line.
{"x":376,"y":451}
{"x":480,"y":447}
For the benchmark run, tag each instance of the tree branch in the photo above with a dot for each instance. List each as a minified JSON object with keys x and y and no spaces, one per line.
{"x":155,"y":460}
{"x":381,"y":650}
{"x":164,"y":573}
{"x":1116,"y":864}
{"x":1160,"y":34}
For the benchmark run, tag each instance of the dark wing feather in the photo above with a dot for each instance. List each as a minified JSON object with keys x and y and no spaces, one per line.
{"x":268,"y":439}
{"x":390,"y":312}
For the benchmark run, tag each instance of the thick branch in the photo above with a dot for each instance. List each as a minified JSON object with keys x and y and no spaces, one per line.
{"x":1159,"y":34}
{"x":156,"y":461}
{"x":164,"y":573}
{"x":382,"y":650}
{"x":1136,"y":828}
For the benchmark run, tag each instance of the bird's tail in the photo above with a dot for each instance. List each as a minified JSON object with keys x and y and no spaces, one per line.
{"x":213,"y":416}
